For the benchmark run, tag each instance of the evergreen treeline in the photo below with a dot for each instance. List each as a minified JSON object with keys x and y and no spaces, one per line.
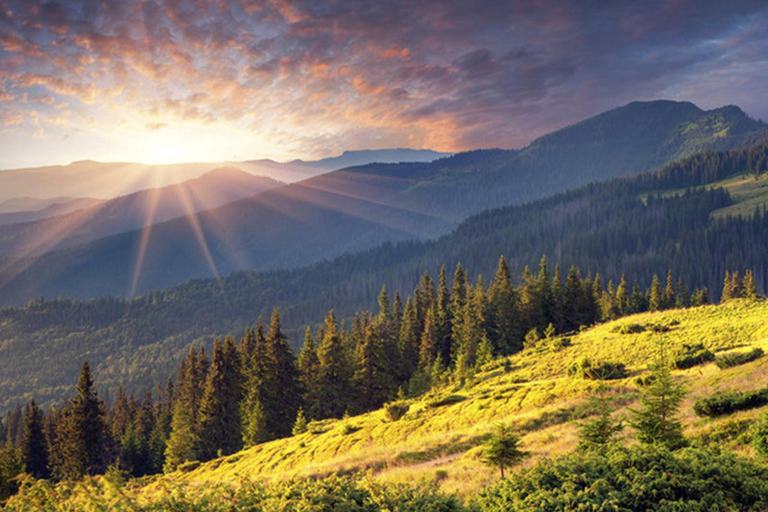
{"x":630,"y":227}
{"x":255,"y":389}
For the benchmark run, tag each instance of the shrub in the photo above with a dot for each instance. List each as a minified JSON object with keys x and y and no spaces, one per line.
{"x":631,"y":329}
{"x":760,"y":436}
{"x":693,"y":355}
{"x":448,"y":400}
{"x":396,"y":410}
{"x":730,"y":402}
{"x":730,"y":360}
{"x":636,"y":478}
{"x":597,"y":370}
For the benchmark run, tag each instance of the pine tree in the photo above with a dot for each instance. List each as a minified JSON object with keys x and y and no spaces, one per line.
{"x":184,"y":440}
{"x":669,"y":292}
{"x":220,"y":420}
{"x":83,"y":444}
{"x":409,"y":343}
{"x":623,"y":297}
{"x":503,"y":311}
{"x":300,"y":425}
{"x":34,"y":445}
{"x":656,"y":301}
{"x":282,"y":404}
{"x":655,"y":423}
{"x":428,"y":349}
{"x":503,"y":449}
{"x":372,"y":380}
{"x":750,"y":290}
{"x":309,"y":372}
{"x":601,"y":431}
{"x":334,"y":371}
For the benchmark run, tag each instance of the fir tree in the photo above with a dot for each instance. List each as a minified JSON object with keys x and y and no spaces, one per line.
{"x":503,"y":450}
{"x":750,"y":290}
{"x":220,"y":420}
{"x":300,"y":425}
{"x":503,"y":311}
{"x":600,"y":432}
{"x":728,"y":291}
{"x":623,"y":297}
{"x":372,"y":381}
{"x":669,"y":292}
{"x":655,"y":423}
{"x":334,"y":371}
{"x":83,"y":444}
{"x":282,"y":404}
{"x":428,"y":349}
{"x":309,"y":372}
{"x":656,"y":301}
{"x":34,"y":445}
{"x":409,"y":343}
{"x":184,"y":440}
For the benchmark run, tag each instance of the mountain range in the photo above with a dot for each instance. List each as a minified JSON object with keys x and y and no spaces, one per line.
{"x":695,"y":217}
{"x":359,"y":208}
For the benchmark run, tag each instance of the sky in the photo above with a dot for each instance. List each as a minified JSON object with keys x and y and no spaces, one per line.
{"x":213,"y":80}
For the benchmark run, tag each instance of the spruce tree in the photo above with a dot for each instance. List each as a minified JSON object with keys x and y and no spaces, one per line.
{"x":220,"y":420}
{"x":334,"y":371}
{"x":34,"y":445}
{"x":372,"y":381}
{"x":669,"y":292}
{"x":623,"y":297}
{"x":428,"y":348}
{"x":728,"y":292}
{"x":256,"y":380}
{"x":750,"y":290}
{"x":503,"y":311}
{"x":656,"y":301}
{"x":656,"y":423}
{"x":309,"y":373}
{"x":184,"y":440}
{"x":409,"y":343}
{"x":83,"y":444}
{"x":503,"y":450}
{"x":284,"y":398}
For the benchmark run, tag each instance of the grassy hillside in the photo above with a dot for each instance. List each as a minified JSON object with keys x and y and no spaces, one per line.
{"x":440,"y":437}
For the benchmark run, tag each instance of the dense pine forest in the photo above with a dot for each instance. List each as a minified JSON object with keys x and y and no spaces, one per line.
{"x":255,"y":389}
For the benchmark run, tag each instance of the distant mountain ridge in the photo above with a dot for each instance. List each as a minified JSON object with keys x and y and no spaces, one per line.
{"x":132,"y":211}
{"x":107,"y":180}
{"x":359,"y":208}
{"x":47,"y":208}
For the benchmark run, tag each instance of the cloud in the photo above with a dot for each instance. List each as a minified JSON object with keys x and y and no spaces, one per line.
{"x":317,"y":76}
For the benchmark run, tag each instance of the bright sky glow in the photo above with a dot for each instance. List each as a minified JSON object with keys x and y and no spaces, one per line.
{"x":178,"y":80}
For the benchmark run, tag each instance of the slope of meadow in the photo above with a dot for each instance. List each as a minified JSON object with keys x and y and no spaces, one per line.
{"x":440,"y":437}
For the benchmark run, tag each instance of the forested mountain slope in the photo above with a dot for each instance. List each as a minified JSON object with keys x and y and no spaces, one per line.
{"x":359,"y":208}
{"x":637,"y":226}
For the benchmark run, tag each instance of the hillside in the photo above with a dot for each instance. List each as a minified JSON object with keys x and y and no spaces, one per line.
{"x":439,"y":438}
{"x":439,"y":441}
{"x":610,"y":228}
{"x":359,"y":208}
{"x":14,"y":211}
{"x":132,"y":211}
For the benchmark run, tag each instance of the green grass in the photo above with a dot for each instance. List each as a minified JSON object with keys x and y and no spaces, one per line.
{"x":439,"y":440}
{"x":440,"y":437}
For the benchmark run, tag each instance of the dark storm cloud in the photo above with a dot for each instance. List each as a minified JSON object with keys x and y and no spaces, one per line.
{"x":321,"y":76}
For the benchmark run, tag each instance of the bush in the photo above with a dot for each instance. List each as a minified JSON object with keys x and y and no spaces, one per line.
{"x":760,"y":436}
{"x":730,"y":402}
{"x":631,"y":329}
{"x":730,"y":360}
{"x":396,"y":410}
{"x":636,"y":478}
{"x":597,"y":370}
{"x":448,"y":400}
{"x":693,"y":355}
{"x":332,"y":494}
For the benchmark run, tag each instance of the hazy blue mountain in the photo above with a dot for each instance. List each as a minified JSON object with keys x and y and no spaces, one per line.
{"x":42,"y":208}
{"x":212,"y":189}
